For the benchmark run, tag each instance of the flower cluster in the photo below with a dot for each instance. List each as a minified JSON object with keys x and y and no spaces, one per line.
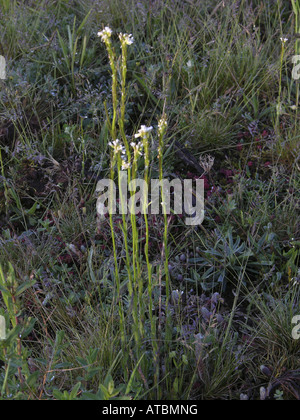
{"x":126,"y":39}
{"x":143,"y":132}
{"x":105,"y":34}
{"x":117,"y":146}
{"x":137,"y":148}
{"x":125,"y":165}
{"x":162,"y":125}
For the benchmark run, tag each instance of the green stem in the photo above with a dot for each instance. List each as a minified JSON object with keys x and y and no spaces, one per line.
{"x":165,"y":255}
{"x":135,"y":265}
{"x":149,"y":271}
{"x":280,"y":88}
{"x":123,"y":99}
{"x":117,"y":276}
{"x":112,"y":60}
{"x":4,"y":182}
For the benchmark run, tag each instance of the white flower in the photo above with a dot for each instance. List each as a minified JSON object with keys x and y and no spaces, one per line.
{"x":190,"y":64}
{"x":125,"y":165}
{"x":117,"y":146}
{"x":127,"y":39}
{"x":137,"y":148}
{"x":143,"y":131}
{"x":105,"y":34}
{"x":283,"y":40}
{"x":162,"y":124}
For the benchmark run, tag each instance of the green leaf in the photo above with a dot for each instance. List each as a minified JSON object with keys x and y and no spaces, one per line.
{"x":111,"y":387}
{"x":83,"y":22}
{"x":93,"y":397}
{"x":129,"y":385}
{"x":32,"y":379}
{"x":28,"y":327}
{"x":175,"y":386}
{"x":33,"y":209}
{"x":105,"y":392}
{"x":24,"y":287}
{"x":75,"y":390}
{"x":58,"y":395}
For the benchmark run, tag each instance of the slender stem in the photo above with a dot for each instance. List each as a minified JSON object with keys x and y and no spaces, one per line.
{"x":4,"y":385}
{"x":149,"y":270}
{"x":165,"y":249}
{"x":296,"y":9}
{"x":123,"y":99}
{"x":112,"y":60}
{"x":280,"y":87}
{"x":4,"y":181}
{"x":19,"y":343}
{"x":135,"y":263}
{"x":125,"y":227}
{"x":117,"y":276}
